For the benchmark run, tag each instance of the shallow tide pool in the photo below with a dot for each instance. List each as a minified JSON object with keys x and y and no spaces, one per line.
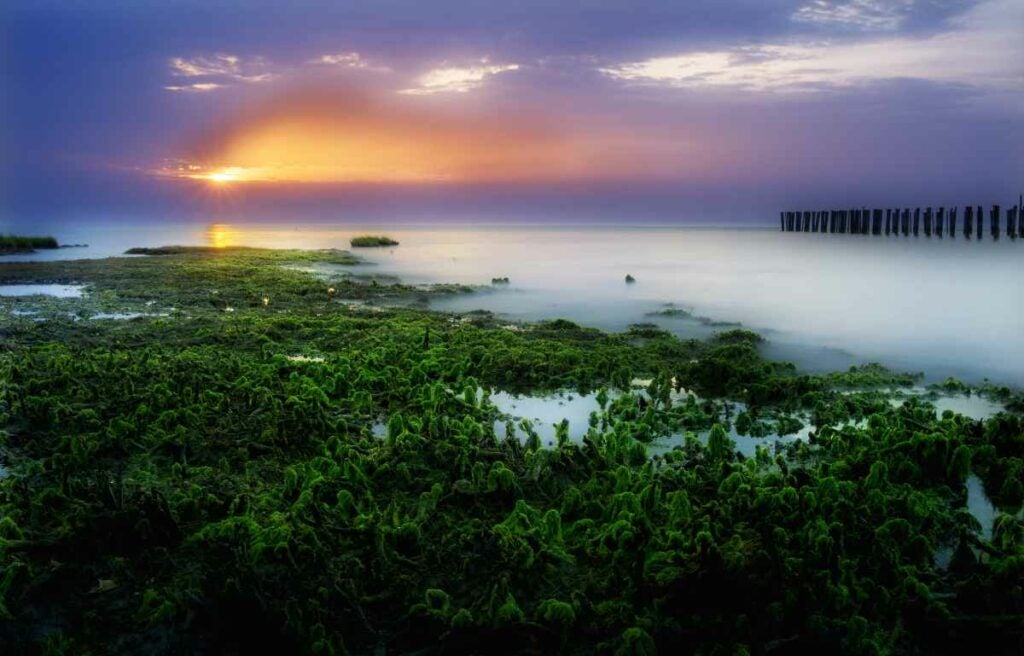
{"x":59,"y":291}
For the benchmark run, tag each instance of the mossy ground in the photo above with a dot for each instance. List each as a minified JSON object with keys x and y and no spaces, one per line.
{"x":20,"y":244}
{"x":179,"y":484}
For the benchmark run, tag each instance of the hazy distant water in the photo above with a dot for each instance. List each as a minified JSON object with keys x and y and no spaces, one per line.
{"x":942,"y":306}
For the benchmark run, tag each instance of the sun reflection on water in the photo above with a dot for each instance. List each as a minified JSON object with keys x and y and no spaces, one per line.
{"x":221,"y":235}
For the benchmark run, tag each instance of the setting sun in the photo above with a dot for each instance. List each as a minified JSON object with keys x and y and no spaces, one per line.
{"x":221,"y":176}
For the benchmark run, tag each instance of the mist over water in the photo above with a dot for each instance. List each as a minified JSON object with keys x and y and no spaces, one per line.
{"x":941,"y":306}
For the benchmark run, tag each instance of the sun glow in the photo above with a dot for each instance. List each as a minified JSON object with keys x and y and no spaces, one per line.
{"x":220,"y":176}
{"x":334,"y":140}
{"x":325,"y":138}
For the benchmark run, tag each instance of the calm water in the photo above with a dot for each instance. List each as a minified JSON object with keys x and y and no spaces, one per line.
{"x":941,"y":306}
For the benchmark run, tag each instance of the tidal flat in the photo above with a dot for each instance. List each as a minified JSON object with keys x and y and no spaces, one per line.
{"x":278,"y":450}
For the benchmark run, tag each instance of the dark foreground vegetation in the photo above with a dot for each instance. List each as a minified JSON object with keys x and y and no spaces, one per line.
{"x":371,"y":241}
{"x":17,"y":244}
{"x":271,"y":458}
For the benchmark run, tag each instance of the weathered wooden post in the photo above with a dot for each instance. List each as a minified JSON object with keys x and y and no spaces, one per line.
{"x":917,"y":221}
{"x":807,"y":221}
{"x":979,"y":221}
{"x":952,"y":222}
{"x":905,"y":221}
{"x":1011,"y":222}
{"x":968,"y":220}
{"x":940,"y":218}
{"x":782,"y":221}
{"x":888,"y":221}
{"x":994,"y":216}
{"x":876,"y":222}
{"x":928,"y":222}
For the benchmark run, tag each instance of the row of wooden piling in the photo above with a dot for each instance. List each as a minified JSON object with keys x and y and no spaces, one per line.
{"x":896,"y":221}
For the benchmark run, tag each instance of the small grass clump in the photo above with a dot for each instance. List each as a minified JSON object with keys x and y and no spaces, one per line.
{"x":20,"y":244}
{"x":372,"y":241}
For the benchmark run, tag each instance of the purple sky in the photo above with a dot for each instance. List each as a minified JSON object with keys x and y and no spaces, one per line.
{"x":704,"y":111}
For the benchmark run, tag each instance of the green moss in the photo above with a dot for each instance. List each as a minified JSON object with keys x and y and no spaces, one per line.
{"x":183,"y":484}
{"x":21,"y":244}
{"x":372,"y":241}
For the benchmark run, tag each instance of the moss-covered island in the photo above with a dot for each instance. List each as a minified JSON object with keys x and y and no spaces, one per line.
{"x":19,"y":244}
{"x":249,"y":451}
{"x":372,"y":241}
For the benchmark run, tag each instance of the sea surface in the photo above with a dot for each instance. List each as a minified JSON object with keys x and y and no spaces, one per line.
{"x":944,"y":307}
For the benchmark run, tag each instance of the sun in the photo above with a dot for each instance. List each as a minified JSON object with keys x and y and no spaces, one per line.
{"x":222,"y":176}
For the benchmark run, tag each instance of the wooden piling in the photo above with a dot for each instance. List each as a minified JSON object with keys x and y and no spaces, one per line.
{"x":937,"y":221}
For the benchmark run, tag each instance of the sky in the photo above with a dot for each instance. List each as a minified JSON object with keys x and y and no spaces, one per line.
{"x":703,"y":111}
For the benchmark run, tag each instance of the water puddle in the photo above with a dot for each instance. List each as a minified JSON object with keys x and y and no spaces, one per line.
{"x":124,"y":316}
{"x":974,"y":406}
{"x":58,"y":291}
{"x":544,"y":412}
{"x":305,"y":358}
{"x":979,"y":505}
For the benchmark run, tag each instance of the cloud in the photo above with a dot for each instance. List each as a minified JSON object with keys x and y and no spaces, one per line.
{"x":218,"y":71}
{"x":981,"y":48}
{"x":205,"y":66}
{"x":861,"y":14}
{"x":197,"y":87}
{"x":344,"y":59}
{"x":347,"y":60}
{"x":455,"y":79}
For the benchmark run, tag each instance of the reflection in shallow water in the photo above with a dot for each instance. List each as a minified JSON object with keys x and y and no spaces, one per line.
{"x":220,"y":235}
{"x":60,"y":291}
{"x":545,"y":411}
{"x":979,"y":505}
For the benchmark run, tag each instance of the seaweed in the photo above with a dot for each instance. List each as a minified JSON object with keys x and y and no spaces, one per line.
{"x":316,"y":476}
{"x":20,"y":244}
{"x":372,"y":241}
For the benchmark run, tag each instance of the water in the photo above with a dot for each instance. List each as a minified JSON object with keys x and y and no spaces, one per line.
{"x":940,"y":306}
{"x":60,"y":291}
{"x":544,"y":411}
{"x":974,"y":406}
{"x":979,"y":505}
